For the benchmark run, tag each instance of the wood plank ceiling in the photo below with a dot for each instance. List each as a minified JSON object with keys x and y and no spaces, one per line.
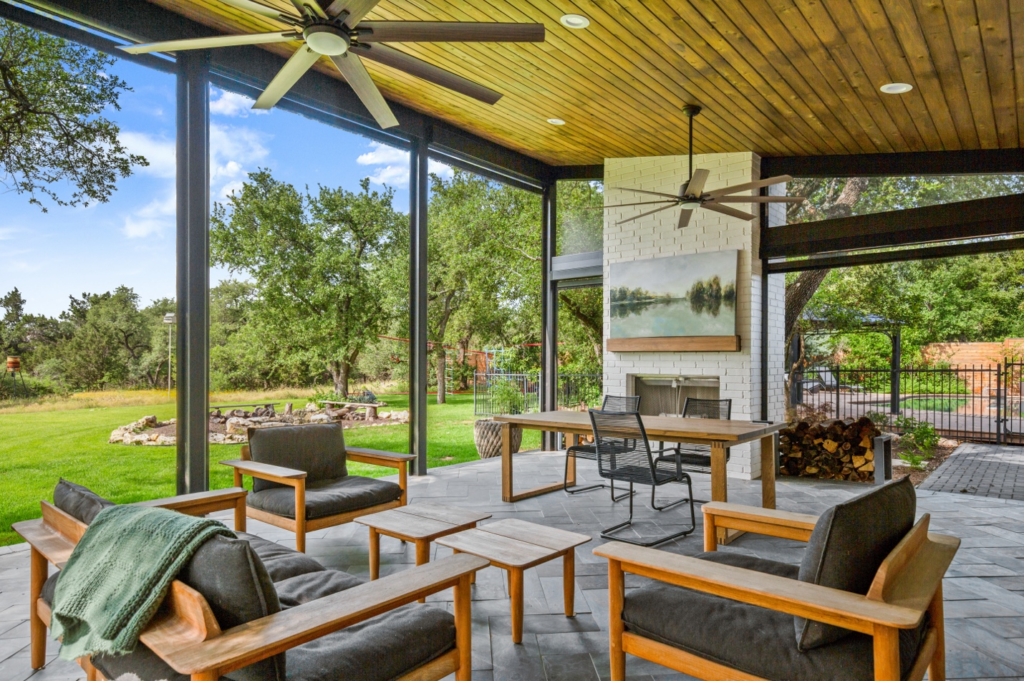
{"x":779,"y":77}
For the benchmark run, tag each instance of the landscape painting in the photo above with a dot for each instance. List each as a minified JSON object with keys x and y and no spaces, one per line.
{"x":680,"y":296}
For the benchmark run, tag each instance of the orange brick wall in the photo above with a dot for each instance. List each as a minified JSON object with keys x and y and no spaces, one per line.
{"x":977,"y":354}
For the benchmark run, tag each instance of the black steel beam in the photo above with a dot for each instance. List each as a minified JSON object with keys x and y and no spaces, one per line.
{"x":316,"y":95}
{"x":419,"y":187}
{"x":193,"y":271}
{"x":973,"y":162}
{"x":548,"y":308}
{"x":594,"y":172}
{"x":855,"y":259}
{"x":763,"y":226}
{"x":975,"y":219}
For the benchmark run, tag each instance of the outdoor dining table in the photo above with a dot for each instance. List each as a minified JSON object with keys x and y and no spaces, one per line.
{"x":717,"y":433}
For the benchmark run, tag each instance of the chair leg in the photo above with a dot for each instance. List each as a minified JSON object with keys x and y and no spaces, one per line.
{"x":607,"y":533}
{"x":655,"y":506}
{"x":575,"y":489}
{"x":300,"y":516}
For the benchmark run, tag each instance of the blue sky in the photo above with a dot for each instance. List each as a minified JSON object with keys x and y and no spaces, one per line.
{"x":130,"y":239}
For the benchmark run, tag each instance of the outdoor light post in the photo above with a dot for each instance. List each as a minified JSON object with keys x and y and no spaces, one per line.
{"x":169,"y":320}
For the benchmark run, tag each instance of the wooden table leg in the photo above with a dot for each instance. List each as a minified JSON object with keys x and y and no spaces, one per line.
{"x":515,"y":587}
{"x":719,"y":480}
{"x":38,"y":569}
{"x":569,"y":582}
{"x":570,"y":477}
{"x":768,"y":471}
{"x":937,"y":668}
{"x":506,"y":462}
{"x":374,"y":554}
{"x":463,"y":630}
{"x":422,"y":555}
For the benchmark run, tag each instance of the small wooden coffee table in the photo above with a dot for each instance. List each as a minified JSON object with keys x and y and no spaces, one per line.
{"x":417,"y":523}
{"x":515,"y":545}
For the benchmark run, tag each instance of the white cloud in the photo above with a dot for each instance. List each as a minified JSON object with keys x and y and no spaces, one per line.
{"x":159,"y":151}
{"x":7,"y":233}
{"x":234,"y":151}
{"x":395,"y":162}
{"x":153,"y":219}
{"x":232,"y":104}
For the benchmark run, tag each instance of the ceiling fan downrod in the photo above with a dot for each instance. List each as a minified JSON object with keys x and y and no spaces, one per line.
{"x":691,"y":110}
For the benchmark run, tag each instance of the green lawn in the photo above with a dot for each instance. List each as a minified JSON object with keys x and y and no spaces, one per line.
{"x":36,"y":448}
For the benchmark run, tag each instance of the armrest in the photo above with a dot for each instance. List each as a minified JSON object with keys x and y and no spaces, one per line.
{"x":767,"y":521}
{"x":265,"y":637}
{"x":377,"y":457}
{"x":819,"y":603}
{"x":199,"y":503}
{"x":266,"y":471}
{"x":53,"y":545}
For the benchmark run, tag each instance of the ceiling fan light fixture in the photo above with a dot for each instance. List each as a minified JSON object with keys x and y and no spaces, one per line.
{"x":326,"y":39}
{"x":556,"y":121}
{"x":690,"y":205}
{"x":896,"y":88}
{"x":574,"y":21}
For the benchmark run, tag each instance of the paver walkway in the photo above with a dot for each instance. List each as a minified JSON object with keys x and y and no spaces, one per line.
{"x":984,"y":589}
{"x":982,"y":470}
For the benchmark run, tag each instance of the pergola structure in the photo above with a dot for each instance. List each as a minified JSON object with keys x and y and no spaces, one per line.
{"x":795,"y":82}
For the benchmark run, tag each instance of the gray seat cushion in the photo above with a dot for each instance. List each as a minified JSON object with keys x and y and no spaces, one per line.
{"x":144,"y":663}
{"x":280,"y":561}
{"x":380,"y":649}
{"x":318,"y":449}
{"x":748,"y":638}
{"x":313,"y":585}
{"x":79,"y":502}
{"x":327,"y":497}
{"x":849,"y":543}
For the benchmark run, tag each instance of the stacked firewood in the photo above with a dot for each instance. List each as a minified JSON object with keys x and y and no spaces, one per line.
{"x":840,"y":450}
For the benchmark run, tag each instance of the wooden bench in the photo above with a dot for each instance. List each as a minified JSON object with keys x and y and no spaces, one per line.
{"x":370,"y":407}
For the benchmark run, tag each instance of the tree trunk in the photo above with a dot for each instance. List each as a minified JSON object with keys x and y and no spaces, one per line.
{"x":440,"y":363}
{"x":339,"y":374}
{"x":594,"y":327}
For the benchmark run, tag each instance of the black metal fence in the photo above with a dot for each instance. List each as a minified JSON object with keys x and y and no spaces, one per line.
{"x":500,"y":393}
{"x":981,"y":403}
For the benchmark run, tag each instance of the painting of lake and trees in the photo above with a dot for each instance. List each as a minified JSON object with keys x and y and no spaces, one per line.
{"x":685,"y":295}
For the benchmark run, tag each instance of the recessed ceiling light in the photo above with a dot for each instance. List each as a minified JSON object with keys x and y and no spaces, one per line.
{"x":576,"y":21}
{"x":896,"y":88}
{"x":556,"y":121}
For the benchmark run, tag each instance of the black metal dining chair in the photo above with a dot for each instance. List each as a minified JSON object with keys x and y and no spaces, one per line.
{"x":625,"y":454}
{"x":587,"y":452}
{"x":692,"y":457}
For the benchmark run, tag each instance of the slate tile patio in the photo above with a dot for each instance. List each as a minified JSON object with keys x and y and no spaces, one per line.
{"x":984,"y":589}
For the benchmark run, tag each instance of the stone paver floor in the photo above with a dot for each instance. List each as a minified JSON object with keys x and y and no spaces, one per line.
{"x":984,"y":589}
{"x":983,"y":470}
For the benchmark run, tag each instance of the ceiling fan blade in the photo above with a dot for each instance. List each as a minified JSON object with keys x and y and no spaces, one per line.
{"x":639,"y":203}
{"x":726,"y":210}
{"x":215,"y":41}
{"x":759,"y":199}
{"x":355,"y":10}
{"x":414,"y":66}
{"x":259,"y":8}
{"x":310,"y":8}
{"x":696,"y":186}
{"x":684,"y":217}
{"x":359,"y":78}
{"x":293,"y":69}
{"x":644,"y":191}
{"x":448,"y":32}
{"x":751,"y":185}
{"x":650,"y":212}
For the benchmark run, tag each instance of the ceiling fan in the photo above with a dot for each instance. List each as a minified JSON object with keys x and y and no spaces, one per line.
{"x":336,"y":31}
{"x":692,"y":195}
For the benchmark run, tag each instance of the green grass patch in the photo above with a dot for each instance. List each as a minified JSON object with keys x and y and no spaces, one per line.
{"x":944,"y":404}
{"x":38,"y":447}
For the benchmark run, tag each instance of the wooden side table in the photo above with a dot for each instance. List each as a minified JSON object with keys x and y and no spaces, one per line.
{"x":417,"y":523}
{"x":516,"y":545}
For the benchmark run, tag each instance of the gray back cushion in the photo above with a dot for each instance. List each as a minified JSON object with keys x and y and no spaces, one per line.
{"x":848,"y":545}
{"x":78,"y":502}
{"x":318,"y":449}
{"x":234,"y":582}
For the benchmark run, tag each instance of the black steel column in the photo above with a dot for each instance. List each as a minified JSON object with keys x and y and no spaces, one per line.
{"x":548,"y":309}
{"x":193,"y":269}
{"x":894,"y":371}
{"x":763,"y":225}
{"x":419,"y":188}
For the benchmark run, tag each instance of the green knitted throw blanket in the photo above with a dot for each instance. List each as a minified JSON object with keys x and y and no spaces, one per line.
{"x":118,"y":575}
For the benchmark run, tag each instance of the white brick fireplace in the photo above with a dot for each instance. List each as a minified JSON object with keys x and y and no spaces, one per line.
{"x":655,"y":236}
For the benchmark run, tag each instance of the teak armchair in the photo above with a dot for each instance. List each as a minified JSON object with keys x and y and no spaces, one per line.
{"x":904,"y":602}
{"x":185,"y":633}
{"x":311,"y":460}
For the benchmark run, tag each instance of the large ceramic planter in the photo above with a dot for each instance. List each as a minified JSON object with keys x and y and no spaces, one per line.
{"x":487,"y":436}
{"x":14,"y":363}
